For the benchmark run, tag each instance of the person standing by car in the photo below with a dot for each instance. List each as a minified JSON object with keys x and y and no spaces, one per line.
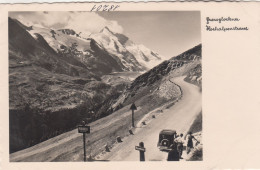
{"x":190,"y":142}
{"x":173,"y":155}
{"x":180,"y":141}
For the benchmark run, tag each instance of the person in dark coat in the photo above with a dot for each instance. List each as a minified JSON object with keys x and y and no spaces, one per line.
{"x":190,"y":142}
{"x":173,"y":155}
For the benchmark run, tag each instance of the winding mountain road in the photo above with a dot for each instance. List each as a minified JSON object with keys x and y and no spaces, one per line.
{"x":178,"y":117}
{"x":68,"y":146}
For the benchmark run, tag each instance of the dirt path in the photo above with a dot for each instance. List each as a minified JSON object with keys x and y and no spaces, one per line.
{"x":178,"y":117}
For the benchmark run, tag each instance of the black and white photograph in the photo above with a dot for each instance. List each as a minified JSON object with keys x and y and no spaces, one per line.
{"x":105,"y":86}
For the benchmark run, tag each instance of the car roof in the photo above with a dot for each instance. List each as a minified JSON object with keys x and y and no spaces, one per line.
{"x":168,"y":132}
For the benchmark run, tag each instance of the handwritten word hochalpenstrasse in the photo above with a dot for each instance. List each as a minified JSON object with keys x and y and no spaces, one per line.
{"x":222,"y":19}
{"x":235,"y":28}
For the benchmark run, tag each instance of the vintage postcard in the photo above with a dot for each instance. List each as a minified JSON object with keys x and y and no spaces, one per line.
{"x":108,"y":85}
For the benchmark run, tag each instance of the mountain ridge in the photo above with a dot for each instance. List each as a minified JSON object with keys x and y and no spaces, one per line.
{"x":116,"y":44}
{"x":52,"y":75}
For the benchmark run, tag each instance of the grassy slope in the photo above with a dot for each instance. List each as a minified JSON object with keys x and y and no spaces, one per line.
{"x":104,"y":131}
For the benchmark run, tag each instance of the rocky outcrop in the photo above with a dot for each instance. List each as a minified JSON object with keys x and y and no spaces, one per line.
{"x":155,"y":81}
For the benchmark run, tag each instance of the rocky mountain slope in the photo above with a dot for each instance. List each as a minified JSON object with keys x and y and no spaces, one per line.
{"x":105,"y":49}
{"x":55,"y":79}
{"x":157,"y":80}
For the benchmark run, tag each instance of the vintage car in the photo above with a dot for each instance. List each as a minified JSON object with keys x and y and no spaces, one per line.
{"x":166,"y":138}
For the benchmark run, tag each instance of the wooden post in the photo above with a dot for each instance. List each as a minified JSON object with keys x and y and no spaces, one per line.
{"x":141,"y":150}
{"x":133,"y":122}
{"x":84,"y":129}
{"x":84,"y":145}
{"x":142,"y":157}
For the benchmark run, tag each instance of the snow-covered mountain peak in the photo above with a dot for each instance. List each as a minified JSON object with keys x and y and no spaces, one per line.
{"x":144,"y":55}
{"x":121,"y":46}
{"x":130,"y":56}
{"x":107,"y":39}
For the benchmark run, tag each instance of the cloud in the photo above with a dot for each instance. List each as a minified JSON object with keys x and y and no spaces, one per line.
{"x":85,"y":22}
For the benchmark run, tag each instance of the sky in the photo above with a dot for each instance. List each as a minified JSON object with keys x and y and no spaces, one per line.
{"x":168,"y":33}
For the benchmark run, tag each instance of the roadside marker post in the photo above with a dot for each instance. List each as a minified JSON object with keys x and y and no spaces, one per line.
{"x":84,"y":129}
{"x":141,"y":149}
{"x":133,"y":108}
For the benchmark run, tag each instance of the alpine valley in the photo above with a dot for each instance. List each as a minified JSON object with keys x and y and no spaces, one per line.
{"x":59,"y":77}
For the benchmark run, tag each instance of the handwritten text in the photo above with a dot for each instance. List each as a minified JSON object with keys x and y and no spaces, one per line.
{"x":104,"y":8}
{"x":218,"y":24}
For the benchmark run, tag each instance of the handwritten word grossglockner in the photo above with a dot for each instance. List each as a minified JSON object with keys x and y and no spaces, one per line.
{"x":104,"y":8}
{"x":222,"y":19}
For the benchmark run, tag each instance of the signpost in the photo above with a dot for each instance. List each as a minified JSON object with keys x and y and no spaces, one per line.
{"x":141,"y":149}
{"x":84,"y":129}
{"x":133,"y":108}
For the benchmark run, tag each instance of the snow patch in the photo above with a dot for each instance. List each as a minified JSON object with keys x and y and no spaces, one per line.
{"x":144,"y":55}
